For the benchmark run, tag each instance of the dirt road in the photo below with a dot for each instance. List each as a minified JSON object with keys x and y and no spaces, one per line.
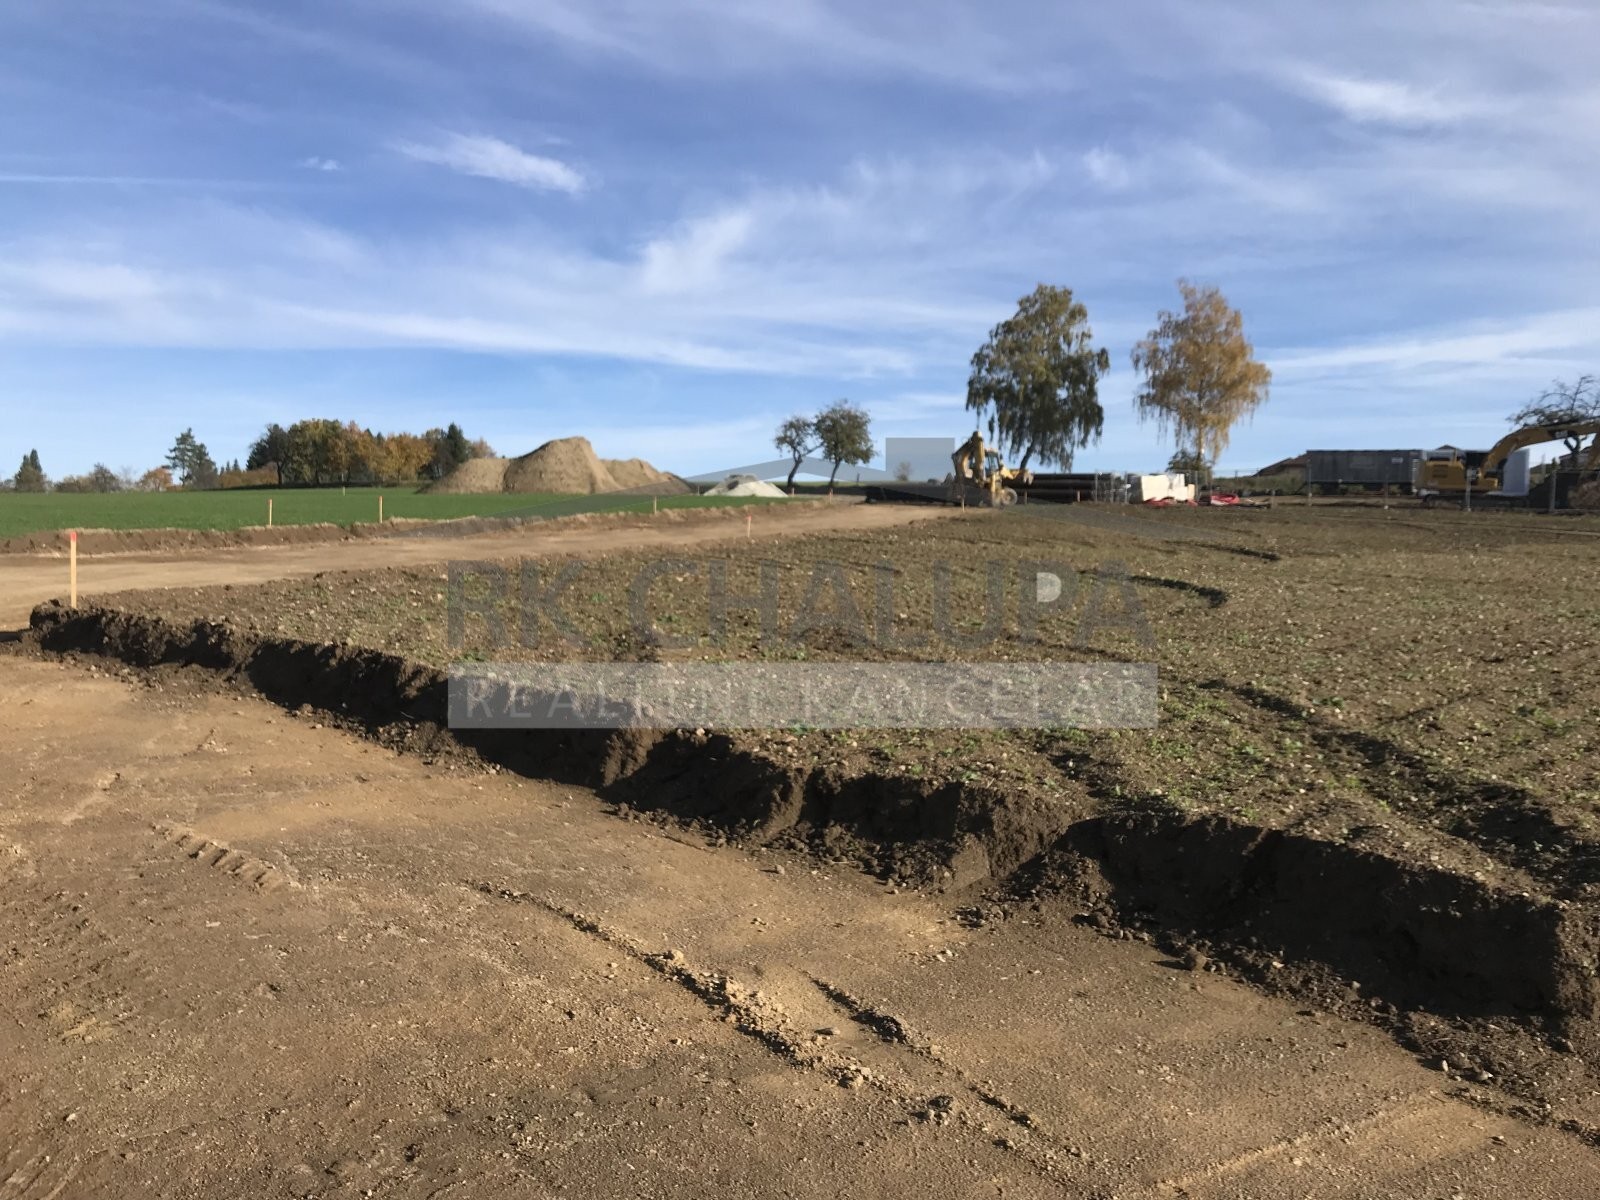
{"x":245,"y":954}
{"x":27,"y":580}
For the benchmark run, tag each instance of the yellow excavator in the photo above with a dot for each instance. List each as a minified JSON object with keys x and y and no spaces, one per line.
{"x":980,"y":477}
{"x":1450,"y":476}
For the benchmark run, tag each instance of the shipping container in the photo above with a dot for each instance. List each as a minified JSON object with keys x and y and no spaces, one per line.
{"x":1372,"y":470}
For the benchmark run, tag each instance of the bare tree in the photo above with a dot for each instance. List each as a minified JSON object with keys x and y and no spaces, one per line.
{"x":1561,"y":403}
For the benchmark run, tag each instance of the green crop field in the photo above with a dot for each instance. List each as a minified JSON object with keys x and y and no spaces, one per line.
{"x":26,"y":513}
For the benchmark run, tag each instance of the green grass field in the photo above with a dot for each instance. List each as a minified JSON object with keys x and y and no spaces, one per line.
{"x":22,"y":514}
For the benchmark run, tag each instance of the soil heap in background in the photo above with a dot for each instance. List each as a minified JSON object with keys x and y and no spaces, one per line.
{"x":476,"y":476}
{"x":634,"y":472}
{"x":568,"y":466}
{"x":747,"y":485}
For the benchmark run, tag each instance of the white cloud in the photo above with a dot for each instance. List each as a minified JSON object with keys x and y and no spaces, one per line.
{"x":1480,"y":344}
{"x":948,"y":40}
{"x":1108,"y":168}
{"x":692,"y":256}
{"x":1377,"y":101}
{"x":491,"y":158}
{"x":78,"y":282}
{"x":319,"y":164}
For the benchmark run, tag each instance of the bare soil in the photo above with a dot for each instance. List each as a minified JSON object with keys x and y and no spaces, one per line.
{"x":243,"y":953}
{"x":1373,"y":783}
{"x":1339,"y":672}
{"x":166,"y":557}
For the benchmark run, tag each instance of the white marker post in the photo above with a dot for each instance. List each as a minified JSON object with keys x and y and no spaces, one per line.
{"x":72,"y":567}
{"x":747,"y":517}
{"x":269,"y":512}
{"x":380,"y":510}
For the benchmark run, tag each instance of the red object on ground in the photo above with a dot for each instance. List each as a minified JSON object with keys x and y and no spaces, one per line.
{"x":1223,"y":498}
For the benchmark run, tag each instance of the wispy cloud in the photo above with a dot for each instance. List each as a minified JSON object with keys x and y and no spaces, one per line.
{"x":1377,"y":101}
{"x":1478,"y":344}
{"x":691,"y":256}
{"x":490,"y":158}
{"x":49,"y":179}
{"x":1108,"y":168}
{"x":946,"y":40}
{"x":1398,"y":196}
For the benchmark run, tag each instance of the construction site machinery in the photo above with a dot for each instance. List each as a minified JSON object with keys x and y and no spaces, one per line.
{"x":981,"y":478}
{"x":1469,"y":472}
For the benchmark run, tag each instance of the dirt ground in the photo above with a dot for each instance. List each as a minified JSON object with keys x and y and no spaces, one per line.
{"x":1348,"y":673}
{"x":243,"y":952}
{"x":1329,"y":929}
{"x":28,"y":579}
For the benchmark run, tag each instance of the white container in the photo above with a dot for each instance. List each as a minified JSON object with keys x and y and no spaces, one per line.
{"x":1517,"y":477}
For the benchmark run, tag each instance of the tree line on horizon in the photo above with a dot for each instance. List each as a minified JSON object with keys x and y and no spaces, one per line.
{"x":309,"y":453}
{"x":317,"y":452}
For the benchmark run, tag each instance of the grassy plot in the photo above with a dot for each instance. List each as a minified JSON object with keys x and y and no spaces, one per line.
{"x":24,"y":514}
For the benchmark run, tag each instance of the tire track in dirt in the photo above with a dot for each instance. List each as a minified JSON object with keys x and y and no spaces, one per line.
{"x":905,"y":1067}
{"x":78,"y":1001}
{"x":256,"y":871}
{"x":28,"y":1171}
{"x":1213,"y":596}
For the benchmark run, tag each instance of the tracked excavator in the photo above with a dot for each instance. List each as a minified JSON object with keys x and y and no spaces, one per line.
{"x":981,"y":478}
{"x":1481,"y":468}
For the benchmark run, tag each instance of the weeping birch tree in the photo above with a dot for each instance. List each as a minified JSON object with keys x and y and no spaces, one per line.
{"x":1200,"y":374}
{"x":1041,"y":372}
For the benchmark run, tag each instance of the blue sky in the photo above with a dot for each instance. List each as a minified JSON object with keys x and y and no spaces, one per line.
{"x":668,"y":224}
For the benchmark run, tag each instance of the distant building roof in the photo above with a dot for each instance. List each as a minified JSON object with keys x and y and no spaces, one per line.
{"x":1297,"y":463}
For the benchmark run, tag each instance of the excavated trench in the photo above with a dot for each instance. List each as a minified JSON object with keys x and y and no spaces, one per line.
{"x":1419,"y":941}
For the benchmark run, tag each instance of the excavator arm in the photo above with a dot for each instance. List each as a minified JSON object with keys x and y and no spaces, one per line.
{"x":1533,"y":435}
{"x":968,"y":460}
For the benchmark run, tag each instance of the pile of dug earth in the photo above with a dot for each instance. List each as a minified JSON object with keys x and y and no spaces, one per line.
{"x":566,"y":465}
{"x":747,"y":485}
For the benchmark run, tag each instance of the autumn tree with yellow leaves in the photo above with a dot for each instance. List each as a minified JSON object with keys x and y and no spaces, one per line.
{"x":1199,"y":374}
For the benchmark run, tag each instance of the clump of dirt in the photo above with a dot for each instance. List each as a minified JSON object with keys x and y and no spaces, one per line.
{"x":567,"y":466}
